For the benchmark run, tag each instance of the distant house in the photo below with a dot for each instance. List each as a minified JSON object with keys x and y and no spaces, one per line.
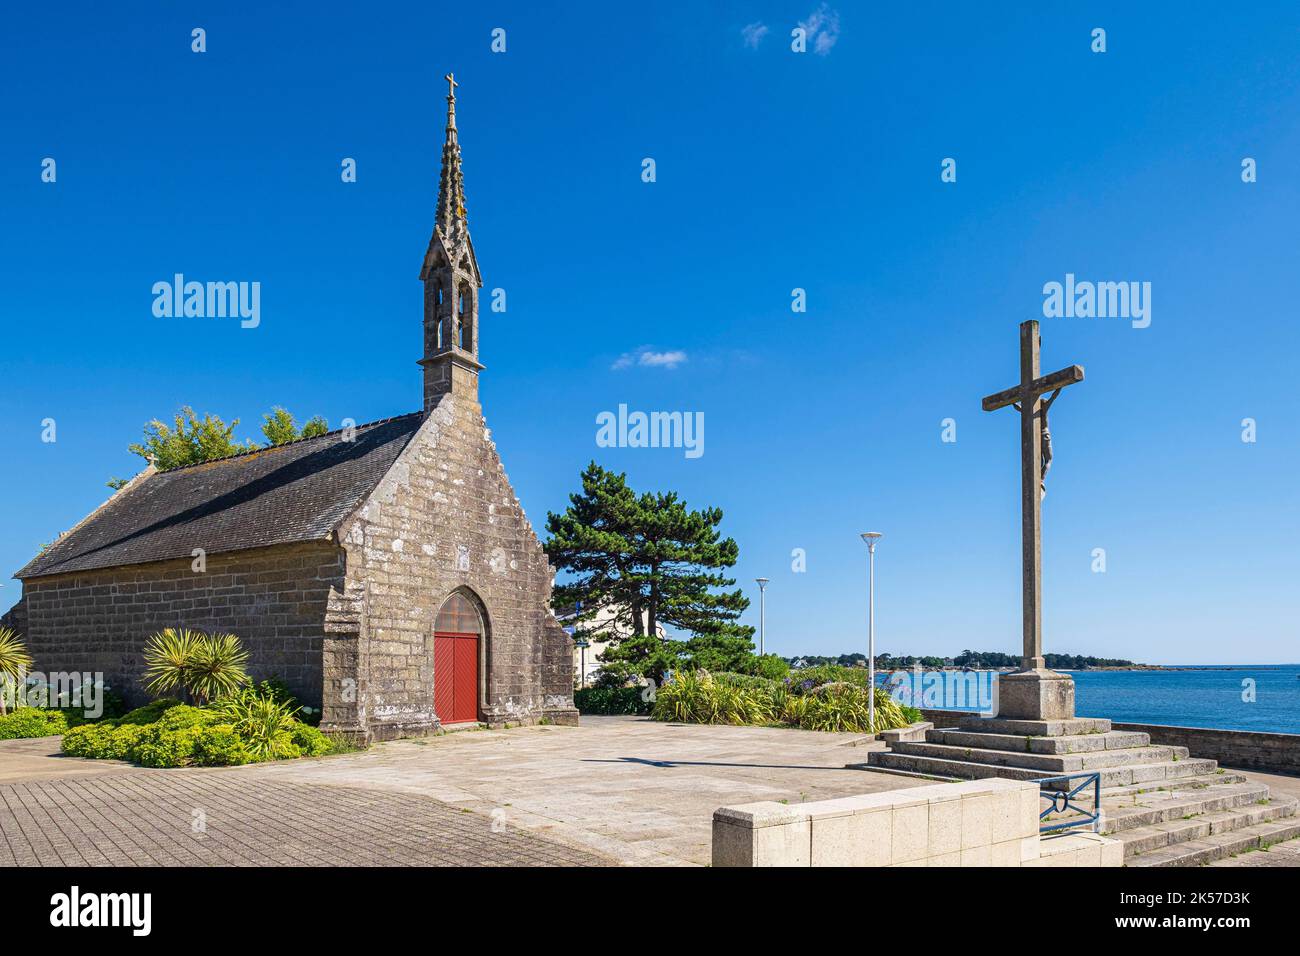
{"x":602,"y":622}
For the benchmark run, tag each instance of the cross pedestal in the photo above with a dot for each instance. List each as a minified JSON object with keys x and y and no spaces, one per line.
{"x":1033,"y":692}
{"x":1038,"y":694}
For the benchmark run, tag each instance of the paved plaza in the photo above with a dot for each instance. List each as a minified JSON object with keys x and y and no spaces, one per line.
{"x":616,"y":790}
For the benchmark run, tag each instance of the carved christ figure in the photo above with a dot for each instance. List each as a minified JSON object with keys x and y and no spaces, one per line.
{"x":1046,"y":445}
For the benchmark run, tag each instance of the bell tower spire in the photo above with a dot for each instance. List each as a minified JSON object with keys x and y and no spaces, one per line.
{"x":451,"y":281}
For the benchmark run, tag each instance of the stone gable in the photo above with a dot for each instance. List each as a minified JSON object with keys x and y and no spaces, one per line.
{"x":445,"y":519}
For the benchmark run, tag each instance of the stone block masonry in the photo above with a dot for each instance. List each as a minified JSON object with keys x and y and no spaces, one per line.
{"x":444,"y":520}
{"x":274,"y":599}
{"x":1250,"y":750}
{"x":974,"y":823}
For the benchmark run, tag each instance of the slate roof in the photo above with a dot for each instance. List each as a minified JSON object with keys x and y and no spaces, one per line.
{"x":299,"y":491}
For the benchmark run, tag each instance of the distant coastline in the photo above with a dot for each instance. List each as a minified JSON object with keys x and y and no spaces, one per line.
{"x":1006,"y":663}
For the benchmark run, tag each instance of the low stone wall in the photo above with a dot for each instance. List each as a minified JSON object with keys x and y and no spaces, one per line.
{"x":992,"y":822}
{"x":1248,"y":750}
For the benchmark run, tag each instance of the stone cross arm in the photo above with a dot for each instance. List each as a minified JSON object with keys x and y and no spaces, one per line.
{"x":1047,"y":383}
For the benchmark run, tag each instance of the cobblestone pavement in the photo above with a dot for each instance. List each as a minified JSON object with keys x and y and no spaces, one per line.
{"x":234,"y":818}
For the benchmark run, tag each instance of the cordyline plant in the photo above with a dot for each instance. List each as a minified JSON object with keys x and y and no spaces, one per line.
{"x":204,"y":666}
{"x":14,"y":662}
{"x":261,"y":721}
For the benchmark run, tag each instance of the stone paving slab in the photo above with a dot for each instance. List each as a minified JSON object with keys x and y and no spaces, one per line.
{"x":616,"y":789}
{"x":640,"y":791}
{"x":39,"y":758}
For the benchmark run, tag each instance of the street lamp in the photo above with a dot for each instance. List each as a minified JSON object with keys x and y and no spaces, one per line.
{"x":871,"y":537}
{"x":762,"y":611}
{"x":583,"y":644}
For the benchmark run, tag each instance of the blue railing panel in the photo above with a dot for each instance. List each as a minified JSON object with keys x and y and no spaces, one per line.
{"x":1062,"y":800}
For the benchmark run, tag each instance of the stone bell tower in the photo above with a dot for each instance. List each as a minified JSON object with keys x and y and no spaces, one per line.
{"x":451,"y":282}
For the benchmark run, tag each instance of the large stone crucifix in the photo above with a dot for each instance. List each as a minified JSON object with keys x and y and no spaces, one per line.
{"x":1034,"y":692}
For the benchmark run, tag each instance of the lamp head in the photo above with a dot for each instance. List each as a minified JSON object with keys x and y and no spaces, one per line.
{"x":762,"y":583}
{"x":871,"y":537}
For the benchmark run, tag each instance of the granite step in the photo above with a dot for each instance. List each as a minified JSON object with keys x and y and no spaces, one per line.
{"x":1076,"y":743}
{"x":1217,"y":846}
{"x":1190,"y":783}
{"x":1116,"y":776}
{"x":1075,"y":726}
{"x":1194,"y":826}
{"x":1127,"y":808}
{"x":1140,"y":805}
{"x":1048,"y":763}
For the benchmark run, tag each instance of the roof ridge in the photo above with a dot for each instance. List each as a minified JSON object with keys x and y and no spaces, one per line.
{"x":285,"y":444}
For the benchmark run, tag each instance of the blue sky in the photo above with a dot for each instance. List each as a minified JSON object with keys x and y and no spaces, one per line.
{"x":775,"y":170}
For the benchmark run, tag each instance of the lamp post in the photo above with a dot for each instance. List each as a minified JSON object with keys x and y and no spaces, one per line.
{"x":583,"y":644}
{"x":762,"y":612}
{"x":871,"y":537}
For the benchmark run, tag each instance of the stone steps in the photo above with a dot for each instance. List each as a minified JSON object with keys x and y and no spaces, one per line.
{"x":1216,"y":846}
{"x":1048,"y":763}
{"x":1024,"y":744}
{"x":1167,"y":807}
{"x":1151,"y":807}
{"x":1188,"y":784}
{"x":1141,"y":840}
{"x":954,"y":765}
{"x":1074,"y":726}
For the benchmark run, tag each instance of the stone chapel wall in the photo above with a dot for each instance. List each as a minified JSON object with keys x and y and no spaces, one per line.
{"x":446,"y":518}
{"x":273,"y":599}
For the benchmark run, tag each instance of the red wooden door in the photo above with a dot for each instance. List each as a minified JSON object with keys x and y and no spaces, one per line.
{"x":455,"y":677}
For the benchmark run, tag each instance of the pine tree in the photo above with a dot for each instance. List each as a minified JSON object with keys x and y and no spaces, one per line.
{"x":655,"y":564}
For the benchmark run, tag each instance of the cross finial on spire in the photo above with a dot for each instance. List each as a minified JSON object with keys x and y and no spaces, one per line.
{"x":451,"y":84}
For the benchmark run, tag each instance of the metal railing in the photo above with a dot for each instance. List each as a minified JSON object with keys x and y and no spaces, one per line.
{"x":1062,"y":801}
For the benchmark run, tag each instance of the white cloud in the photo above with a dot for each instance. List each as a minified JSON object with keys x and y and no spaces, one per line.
{"x":649,"y":358}
{"x":753,"y":34}
{"x":823,"y":28}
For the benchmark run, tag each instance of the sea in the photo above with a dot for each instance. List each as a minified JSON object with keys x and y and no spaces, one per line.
{"x":1227,"y":697}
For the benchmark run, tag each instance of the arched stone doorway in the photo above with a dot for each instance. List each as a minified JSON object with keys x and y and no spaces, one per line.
{"x":458,"y":634}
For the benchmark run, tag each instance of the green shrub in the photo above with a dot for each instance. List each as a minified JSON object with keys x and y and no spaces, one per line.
{"x":703,"y":698}
{"x":276,"y":689}
{"x":840,"y":707}
{"x":14,"y":662}
{"x":184,"y":716}
{"x":771,"y":667}
{"x":159,"y":747}
{"x":32,"y":722}
{"x":263,"y":723}
{"x":310,"y":741}
{"x":166,"y":733}
{"x":610,"y":700}
{"x":218,"y":667}
{"x":219,"y":746}
{"x":150,"y":712}
{"x":104,"y":741}
{"x":808,"y":679}
{"x":696,"y":697}
{"x":746,"y":681}
{"x":206,"y":666}
{"x":84,"y":741}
